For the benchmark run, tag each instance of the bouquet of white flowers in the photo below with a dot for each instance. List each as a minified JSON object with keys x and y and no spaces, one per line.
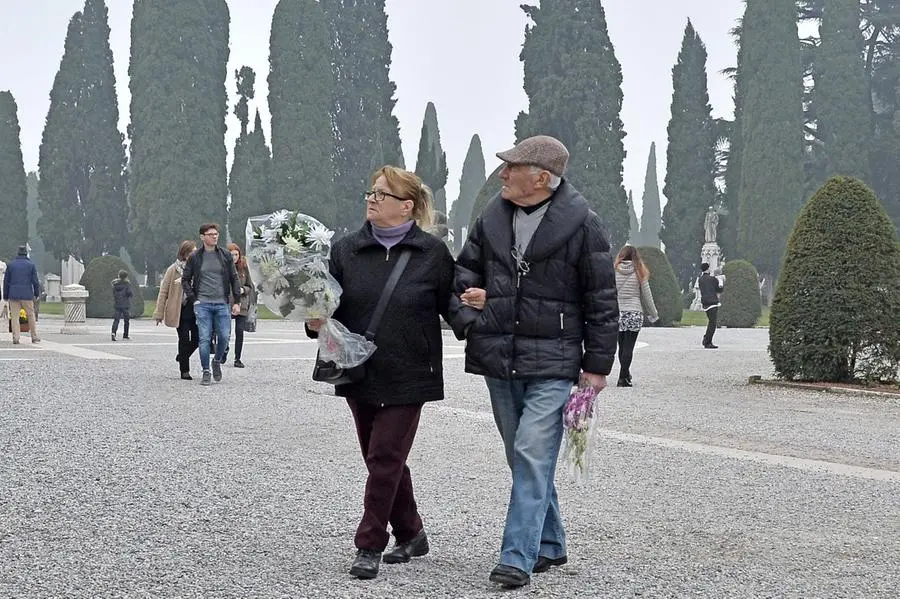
{"x":287,"y":253}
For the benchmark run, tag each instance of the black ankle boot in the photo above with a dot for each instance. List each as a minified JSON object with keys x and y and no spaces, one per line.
{"x":366,"y":563}
{"x":402,"y":552}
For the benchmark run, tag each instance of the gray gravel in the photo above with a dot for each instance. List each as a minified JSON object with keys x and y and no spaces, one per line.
{"x":118,"y":479}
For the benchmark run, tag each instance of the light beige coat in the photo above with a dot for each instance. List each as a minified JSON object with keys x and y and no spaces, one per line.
{"x":168,"y":302}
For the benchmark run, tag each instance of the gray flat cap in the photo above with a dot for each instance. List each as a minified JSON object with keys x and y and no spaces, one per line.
{"x":542,"y":151}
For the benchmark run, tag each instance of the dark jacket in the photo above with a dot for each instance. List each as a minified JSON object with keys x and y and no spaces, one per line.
{"x":190,"y":278}
{"x":710,"y":288}
{"x":407,"y":367}
{"x":21,"y":280}
{"x":122,"y":294}
{"x":562,"y":317}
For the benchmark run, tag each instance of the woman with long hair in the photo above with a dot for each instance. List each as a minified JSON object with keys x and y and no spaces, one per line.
{"x":247,"y":300}
{"x":174,"y":311}
{"x":635,"y":301}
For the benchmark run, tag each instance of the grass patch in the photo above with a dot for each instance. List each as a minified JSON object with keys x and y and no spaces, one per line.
{"x":698,"y":319}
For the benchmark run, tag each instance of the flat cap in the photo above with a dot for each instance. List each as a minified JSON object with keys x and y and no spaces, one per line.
{"x":542,"y":151}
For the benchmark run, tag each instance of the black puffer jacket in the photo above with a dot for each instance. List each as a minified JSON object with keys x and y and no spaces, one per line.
{"x":407,"y":367}
{"x":563,"y":316}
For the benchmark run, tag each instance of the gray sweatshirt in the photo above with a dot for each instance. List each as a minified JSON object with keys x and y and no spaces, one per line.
{"x":634,"y":294}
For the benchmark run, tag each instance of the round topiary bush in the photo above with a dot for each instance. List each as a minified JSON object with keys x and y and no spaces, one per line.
{"x":98,"y":278}
{"x":836,"y":312}
{"x":663,"y":286}
{"x":741,"y":304}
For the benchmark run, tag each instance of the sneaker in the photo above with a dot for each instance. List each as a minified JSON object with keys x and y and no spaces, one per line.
{"x":238,"y":364}
{"x":207,"y":378}
{"x":217,"y":370}
{"x":113,"y":336}
{"x":366,"y":564}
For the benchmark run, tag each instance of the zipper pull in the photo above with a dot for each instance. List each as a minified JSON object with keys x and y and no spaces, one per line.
{"x":387,"y":254}
{"x":561,"y":325}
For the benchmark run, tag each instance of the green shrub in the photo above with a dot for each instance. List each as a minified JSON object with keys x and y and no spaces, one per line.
{"x":836,"y":312}
{"x":741,"y":304}
{"x":663,"y":286}
{"x":98,"y":278}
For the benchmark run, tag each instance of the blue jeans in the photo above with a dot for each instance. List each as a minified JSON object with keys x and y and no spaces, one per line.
{"x":528,"y":414}
{"x":212,"y":317}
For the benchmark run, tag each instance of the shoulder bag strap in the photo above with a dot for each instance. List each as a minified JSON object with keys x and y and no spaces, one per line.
{"x":386,"y":293}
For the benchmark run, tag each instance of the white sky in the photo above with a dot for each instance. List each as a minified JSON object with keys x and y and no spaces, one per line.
{"x":461,"y":54}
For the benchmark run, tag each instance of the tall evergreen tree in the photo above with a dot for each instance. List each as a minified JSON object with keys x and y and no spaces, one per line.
{"x":179,"y":56}
{"x":574,"y":85}
{"x":13,"y":191}
{"x":367,"y":134}
{"x":843,"y":101}
{"x":470,"y":183}
{"x":771,"y":130}
{"x":690,"y":159}
{"x":82,"y":161}
{"x":728,"y":223}
{"x":301,"y":99}
{"x":431,"y":163}
{"x":650,"y":211}
{"x":45,"y":262}
{"x":249,"y":181}
{"x":634,"y":226}
{"x":245,"y":78}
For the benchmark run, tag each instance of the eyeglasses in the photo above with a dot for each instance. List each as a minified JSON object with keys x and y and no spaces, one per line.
{"x":379,"y":196}
{"x":213,"y":234}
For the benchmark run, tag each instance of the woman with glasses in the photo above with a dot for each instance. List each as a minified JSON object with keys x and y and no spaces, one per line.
{"x":406,"y":369}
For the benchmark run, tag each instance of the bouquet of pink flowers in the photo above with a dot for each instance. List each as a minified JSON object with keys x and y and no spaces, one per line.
{"x":578,"y":420}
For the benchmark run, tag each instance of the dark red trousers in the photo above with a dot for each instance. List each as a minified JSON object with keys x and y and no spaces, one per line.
{"x":386,"y":436}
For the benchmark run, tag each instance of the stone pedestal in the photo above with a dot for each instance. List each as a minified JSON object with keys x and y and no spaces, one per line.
{"x":53,"y":288}
{"x":711,"y":253}
{"x":74,"y":298}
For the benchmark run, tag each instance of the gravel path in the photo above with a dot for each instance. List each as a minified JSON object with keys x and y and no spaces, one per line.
{"x":120,"y":480}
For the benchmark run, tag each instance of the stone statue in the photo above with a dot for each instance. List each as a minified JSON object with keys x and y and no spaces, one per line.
{"x":709,"y":225}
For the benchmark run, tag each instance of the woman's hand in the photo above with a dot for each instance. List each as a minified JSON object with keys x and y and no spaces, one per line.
{"x":474,"y":297}
{"x":314,"y":325}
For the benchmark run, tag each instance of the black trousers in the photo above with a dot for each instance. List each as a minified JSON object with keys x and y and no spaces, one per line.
{"x":188,"y":339}
{"x":712,"y":315}
{"x":121,"y":313}
{"x":627,"y":341}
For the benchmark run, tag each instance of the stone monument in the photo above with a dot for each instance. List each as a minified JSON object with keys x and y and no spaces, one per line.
{"x":74,"y":298}
{"x":710,"y":252}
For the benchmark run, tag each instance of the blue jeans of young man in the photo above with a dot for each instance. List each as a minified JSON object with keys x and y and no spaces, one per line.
{"x":212,"y":318}
{"x":528,"y":414}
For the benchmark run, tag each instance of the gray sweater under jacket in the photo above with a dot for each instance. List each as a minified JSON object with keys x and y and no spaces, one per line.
{"x":633,"y":294}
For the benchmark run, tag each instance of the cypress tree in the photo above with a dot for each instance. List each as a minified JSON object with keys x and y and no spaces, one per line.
{"x":574,"y":87}
{"x":650,"y":214}
{"x":249,"y":181}
{"x":13,"y":190}
{"x":178,"y":107}
{"x":771,"y":192}
{"x":367,"y":134}
{"x":82,"y":161}
{"x":470,"y":183}
{"x":843,"y":101}
{"x":728,"y":223}
{"x":431,"y":163}
{"x":44,"y":261}
{"x":301,"y":90}
{"x":691,"y":159}
{"x":634,"y":226}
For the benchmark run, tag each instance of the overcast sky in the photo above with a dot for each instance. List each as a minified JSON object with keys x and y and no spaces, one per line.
{"x":463,"y":55}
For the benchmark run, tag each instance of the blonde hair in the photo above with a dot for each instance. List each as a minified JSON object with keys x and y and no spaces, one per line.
{"x":631,"y":253}
{"x":409,"y":186}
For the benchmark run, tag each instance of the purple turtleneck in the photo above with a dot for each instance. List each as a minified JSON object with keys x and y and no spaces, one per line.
{"x":391,"y":236}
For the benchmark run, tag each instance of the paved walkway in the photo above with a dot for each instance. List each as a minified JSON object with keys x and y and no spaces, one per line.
{"x":120,"y":480}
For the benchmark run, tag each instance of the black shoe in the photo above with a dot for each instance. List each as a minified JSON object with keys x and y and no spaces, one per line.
{"x":186,"y":376}
{"x":624,"y":383}
{"x":366,"y":563}
{"x":545,"y":563}
{"x":238,"y":364}
{"x":402,"y":552}
{"x":126,"y":338}
{"x":113,"y":336}
{"x":509,"y":576}
{"x":710,"y":346}
{"x":207,"y":378}
{"x":217,"y":370}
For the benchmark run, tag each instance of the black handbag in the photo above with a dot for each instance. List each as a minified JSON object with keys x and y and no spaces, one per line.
{"x":329,"y":372}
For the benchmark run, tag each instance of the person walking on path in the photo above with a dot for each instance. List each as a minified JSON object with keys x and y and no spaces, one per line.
{"x":535,"y":300}
{"x":21,"y":288}
{"x":122,"y":297}
{"x":635,"y":301}
{"x":174,"y":311}
{"x":710,"y":288}
{"x":248,"y":300}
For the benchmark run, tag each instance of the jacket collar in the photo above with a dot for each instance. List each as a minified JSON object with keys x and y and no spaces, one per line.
{"x":565,"y":215}
{"x":363,"y":238}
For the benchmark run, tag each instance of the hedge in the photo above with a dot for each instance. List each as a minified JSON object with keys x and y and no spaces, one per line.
{"x":98,"y":278}
{"x":663,"y":286}
{"x":741,"y":303}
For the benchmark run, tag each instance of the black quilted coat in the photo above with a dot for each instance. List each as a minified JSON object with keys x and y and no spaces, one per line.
{"x":561,"y":316}
{"x":407,"y":367}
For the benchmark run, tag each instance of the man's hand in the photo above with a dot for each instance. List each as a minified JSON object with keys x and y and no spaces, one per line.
{"x":474,"y":297}
{"x":314,"y":325}
{"x":597,"y":381}
{"x":235,"y":309}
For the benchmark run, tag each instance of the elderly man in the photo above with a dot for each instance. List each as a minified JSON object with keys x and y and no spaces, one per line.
{"x":22,"y":287}
{"x":535,"y":298}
